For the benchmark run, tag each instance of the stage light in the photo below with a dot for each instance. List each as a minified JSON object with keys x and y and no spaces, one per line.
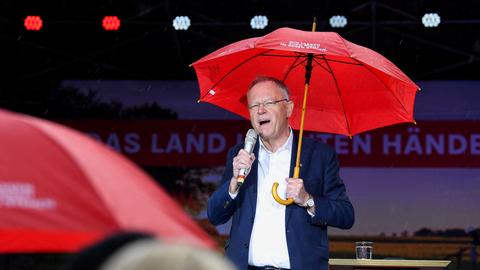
{"x":33,"y":23}
{"x":431,"y":20}
{"x":111,"y":23}
{"x":259,"y":22}
{"x":181,"y":23}
{"x":338,"y":21}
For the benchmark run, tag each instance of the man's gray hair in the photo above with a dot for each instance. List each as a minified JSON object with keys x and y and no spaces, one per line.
{"x":276,"y":81}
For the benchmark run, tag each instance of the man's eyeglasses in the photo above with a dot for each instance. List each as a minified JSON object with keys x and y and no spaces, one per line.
{"x":266,"y":104}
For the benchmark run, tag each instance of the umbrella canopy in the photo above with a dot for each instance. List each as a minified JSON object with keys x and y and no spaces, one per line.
{"x":352,"y":88}
{"x":61,"y":190}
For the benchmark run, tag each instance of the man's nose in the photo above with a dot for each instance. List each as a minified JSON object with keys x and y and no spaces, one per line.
{"x":261,"y":108}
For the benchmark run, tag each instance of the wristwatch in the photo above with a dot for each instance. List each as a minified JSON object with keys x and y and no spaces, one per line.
{"x":309,"y":203}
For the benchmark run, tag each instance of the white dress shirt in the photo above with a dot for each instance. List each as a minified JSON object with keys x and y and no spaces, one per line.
{"x":268,"y":242}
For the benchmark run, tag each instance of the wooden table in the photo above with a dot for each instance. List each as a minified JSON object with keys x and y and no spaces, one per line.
{"x":375,"y":264}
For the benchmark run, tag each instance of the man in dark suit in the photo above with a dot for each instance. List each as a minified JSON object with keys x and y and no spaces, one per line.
{"x":264,"y":233}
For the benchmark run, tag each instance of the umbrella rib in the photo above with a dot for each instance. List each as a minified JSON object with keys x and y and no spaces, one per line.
{"x":339,"y":94}
{"x":233,"y":69}
{"x":391,"y":92}
{"x":293,"y":66}
{"x":340,"y":61}
{"x":320,"y":64}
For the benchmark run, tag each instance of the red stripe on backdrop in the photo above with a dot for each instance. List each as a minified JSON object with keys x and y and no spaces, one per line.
{"x":206,"y":142}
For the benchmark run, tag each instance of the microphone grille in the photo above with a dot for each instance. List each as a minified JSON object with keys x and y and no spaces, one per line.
{"x":250,"y":140}
{"x":251,"y":135}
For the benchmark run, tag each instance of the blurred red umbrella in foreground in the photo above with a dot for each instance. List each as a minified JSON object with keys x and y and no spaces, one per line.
{"x":60,"y":191}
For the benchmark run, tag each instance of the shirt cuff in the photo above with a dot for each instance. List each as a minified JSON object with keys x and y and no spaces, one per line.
{"x":233,"y":195}
{"x":310,"y":213}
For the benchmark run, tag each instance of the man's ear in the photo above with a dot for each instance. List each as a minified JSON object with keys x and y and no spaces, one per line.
{"x":290,"y":106}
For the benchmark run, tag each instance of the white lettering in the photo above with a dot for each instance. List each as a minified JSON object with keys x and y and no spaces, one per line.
{"x":132,"y":144}
{"x":195,"y":142}
{"x":396,"y":144}
{"x":475,"y":144}
{"x":437,"y":144}
{"x":365,"y":145}
{"x":113,"y":142}
{"x":17,"y":189}
{"x":304,"y":45}
{"x":324,"y":137}
{"x":22,"y":195}
{"x":154,"y":146}
{"x":457,"y":144}
{"x":341,"y":145}
{"x":413,"y":145}
{"x":174,"y":144}
{"x":216,"y":143}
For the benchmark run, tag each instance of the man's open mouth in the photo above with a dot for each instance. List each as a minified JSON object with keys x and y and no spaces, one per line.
{"x":264,"y":122}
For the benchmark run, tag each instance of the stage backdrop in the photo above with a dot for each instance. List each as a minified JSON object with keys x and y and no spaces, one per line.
{"x":401,"y":179}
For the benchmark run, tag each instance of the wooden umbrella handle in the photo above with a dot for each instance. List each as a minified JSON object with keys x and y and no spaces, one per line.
{"x":277,"y":198}
{"x":296,"y":174}
{"x":296,"y":171}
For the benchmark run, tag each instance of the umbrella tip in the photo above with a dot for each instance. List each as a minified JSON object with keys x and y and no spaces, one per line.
{"x":350,"y":136}
{"x":198,"y":101}
{"x":414,"y":122}
{"x":419,"y":89}
{"x":190,"y":65}
{"x":314,"y":24}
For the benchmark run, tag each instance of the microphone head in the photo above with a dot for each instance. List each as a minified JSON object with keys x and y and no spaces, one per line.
{"x":250,"y":140}
{"x":251,"y":135}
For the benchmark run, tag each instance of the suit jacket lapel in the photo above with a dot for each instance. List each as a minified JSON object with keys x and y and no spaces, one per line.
{"x":252,"y":180}
{"x":288,"y":210}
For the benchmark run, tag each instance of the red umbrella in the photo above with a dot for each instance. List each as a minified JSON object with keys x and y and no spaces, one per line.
{"x":61,"y":190}
{"x":350,"y":88}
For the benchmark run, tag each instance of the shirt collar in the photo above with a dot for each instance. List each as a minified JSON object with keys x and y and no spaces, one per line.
{"x":286,"y":146}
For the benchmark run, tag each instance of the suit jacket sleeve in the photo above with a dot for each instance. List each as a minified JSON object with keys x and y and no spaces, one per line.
{"x":332,"y":207}
{"x":220,"y":205}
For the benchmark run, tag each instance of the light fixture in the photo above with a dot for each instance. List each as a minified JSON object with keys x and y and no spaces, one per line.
{"x":111,"y":23}
{"x":338,"y":21}
{"x":431,"y":20}
{"x":259,"y":22}
{"x":33,"y":23}
{"x":181,"y":23}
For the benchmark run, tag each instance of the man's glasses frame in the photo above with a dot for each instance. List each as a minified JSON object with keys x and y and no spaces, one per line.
{"x":266,"y":104}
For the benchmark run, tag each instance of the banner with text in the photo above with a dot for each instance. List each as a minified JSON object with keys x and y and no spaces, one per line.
{"x":206,"y":142}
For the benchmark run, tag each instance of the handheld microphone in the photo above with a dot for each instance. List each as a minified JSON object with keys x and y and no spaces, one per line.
{"x":250,"y":140}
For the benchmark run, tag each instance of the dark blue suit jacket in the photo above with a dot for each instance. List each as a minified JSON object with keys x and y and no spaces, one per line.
{"x":306,"y":236}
